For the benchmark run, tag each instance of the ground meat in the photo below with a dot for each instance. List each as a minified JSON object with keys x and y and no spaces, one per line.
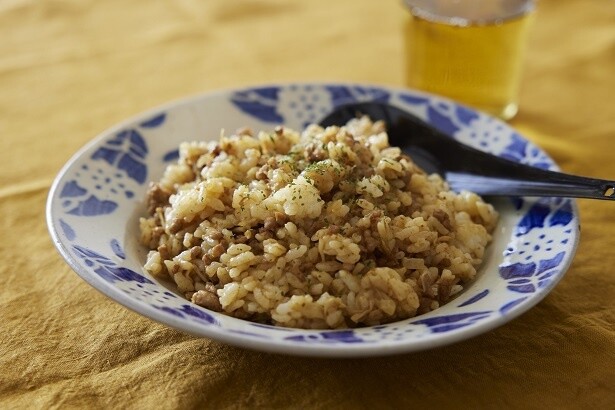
{"x":427,"y":279}
{"x":444,"y":290}
{"x":365,"y":170}
{"x":196,"y":252}
{"x":314,"y":152}
{"x":270,"y":224}
{"x":217,"y":251}
{"x":280,"y":218}
{"x":264,"y":234}
{"x":217,"y":235}
{"x":424,"y":305}
{"x":176,"y":226}
{"x":444,"y":219}
{"x":261,"y":174}
{"x":349,"y":139}
{"x":207,"y":299}
{"x":241,"y":239}
{"x":445,"y":263}
{"x":374,"y":217}
{"x":157,"y":197}
{"x":164,"y":252}
{"x":332,"y":229}
{"x":157,"y":233}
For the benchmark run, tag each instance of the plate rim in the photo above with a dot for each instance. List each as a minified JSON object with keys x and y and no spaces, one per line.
{"x":275,"y":346}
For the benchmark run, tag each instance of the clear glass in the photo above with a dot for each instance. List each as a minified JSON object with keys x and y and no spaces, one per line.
{"x":469,"y":50}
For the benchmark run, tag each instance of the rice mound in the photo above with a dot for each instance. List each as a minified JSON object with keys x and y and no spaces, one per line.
{"x":328,"y":228}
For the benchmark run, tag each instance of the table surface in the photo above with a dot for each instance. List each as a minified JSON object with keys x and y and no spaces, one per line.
{"x":71,"y":68}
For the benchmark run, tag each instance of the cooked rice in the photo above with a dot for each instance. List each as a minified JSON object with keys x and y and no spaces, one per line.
{"x":330,"y":228}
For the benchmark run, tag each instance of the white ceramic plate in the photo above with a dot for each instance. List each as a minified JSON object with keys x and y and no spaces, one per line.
{"x":97,"y":198}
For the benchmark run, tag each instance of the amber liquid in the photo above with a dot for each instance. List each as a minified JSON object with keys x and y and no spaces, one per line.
{"x":476,"y":64}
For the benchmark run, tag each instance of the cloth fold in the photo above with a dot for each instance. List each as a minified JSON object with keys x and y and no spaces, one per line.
{"x":71,"y":68}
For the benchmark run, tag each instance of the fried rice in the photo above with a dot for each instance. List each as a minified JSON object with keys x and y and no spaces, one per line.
{"x":327,"y":228}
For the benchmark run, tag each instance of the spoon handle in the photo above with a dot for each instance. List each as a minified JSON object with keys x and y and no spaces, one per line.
{"x":466,"y":168}
{"x":543,"y":183}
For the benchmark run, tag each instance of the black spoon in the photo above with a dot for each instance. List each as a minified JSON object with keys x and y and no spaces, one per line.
{"x":464,"y":167}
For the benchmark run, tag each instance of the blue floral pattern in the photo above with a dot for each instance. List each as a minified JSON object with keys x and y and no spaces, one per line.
{"x":528,"y":277}
{"x":106,"y":268}
{"x":259,"y":102}
{"x":77,"y":201}
{"x":520,"y":150}
{"x":189,"y":311}
{"x":445,"y":323}
{"x":304,"y":104}
{"x":344,"y":336}
{"x":507,"y":307}
{"x":125,"y":154}
{"x":475,"y":298}
{"x":117,"y":249}
{"x":68,"y":231}
{"x":105,"y":185}
{"x":549,"y":212}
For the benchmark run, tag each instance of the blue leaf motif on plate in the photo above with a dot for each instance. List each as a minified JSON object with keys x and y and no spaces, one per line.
{"x":475,"y":298}
{"x":508,"y":306}
{"x":446,"y":323}
{"x":345,"y":95}
{"x":259,"y":102}
{"x":465,"y":115}
{"x":527,"y":277}
{"x":106,"y":268}
{"x":126,"y":151}
{"x":72,"y":189}
{"x":413,"y":99}
{"x":199,"y":314}
{"x":154,"y":122}
{"x":515,"y":151}
{"x":170,"y":310}
{"x":534,"y":218}
{"x":563,"y":215}
{"x":537,"y":159}
{"x":68,"y":231}
{"x":85,"y":254}
{"x":76,"y":203}
{"x":93,"y":206}
{"x":190,"y":311}
{"x":170,"y":156}
{"x":541,"y":215}
{"x":519,"y":276}
{"x":342,"y":336}
{"x":441,"y":121}
{"x":125,"y":274}
{"x":117,"y":249}
{"x":519,"y":150}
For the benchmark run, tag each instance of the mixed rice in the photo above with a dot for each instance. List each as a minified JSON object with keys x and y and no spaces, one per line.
{"x":328,"y":228}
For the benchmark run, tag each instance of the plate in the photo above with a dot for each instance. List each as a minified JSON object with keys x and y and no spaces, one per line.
{"x":96,"y":200}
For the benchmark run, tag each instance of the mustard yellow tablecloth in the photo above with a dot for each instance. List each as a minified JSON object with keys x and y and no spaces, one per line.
{"x":71,"y":68}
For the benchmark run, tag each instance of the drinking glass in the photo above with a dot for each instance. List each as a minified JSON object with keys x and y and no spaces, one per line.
{"x":469,"y":50}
